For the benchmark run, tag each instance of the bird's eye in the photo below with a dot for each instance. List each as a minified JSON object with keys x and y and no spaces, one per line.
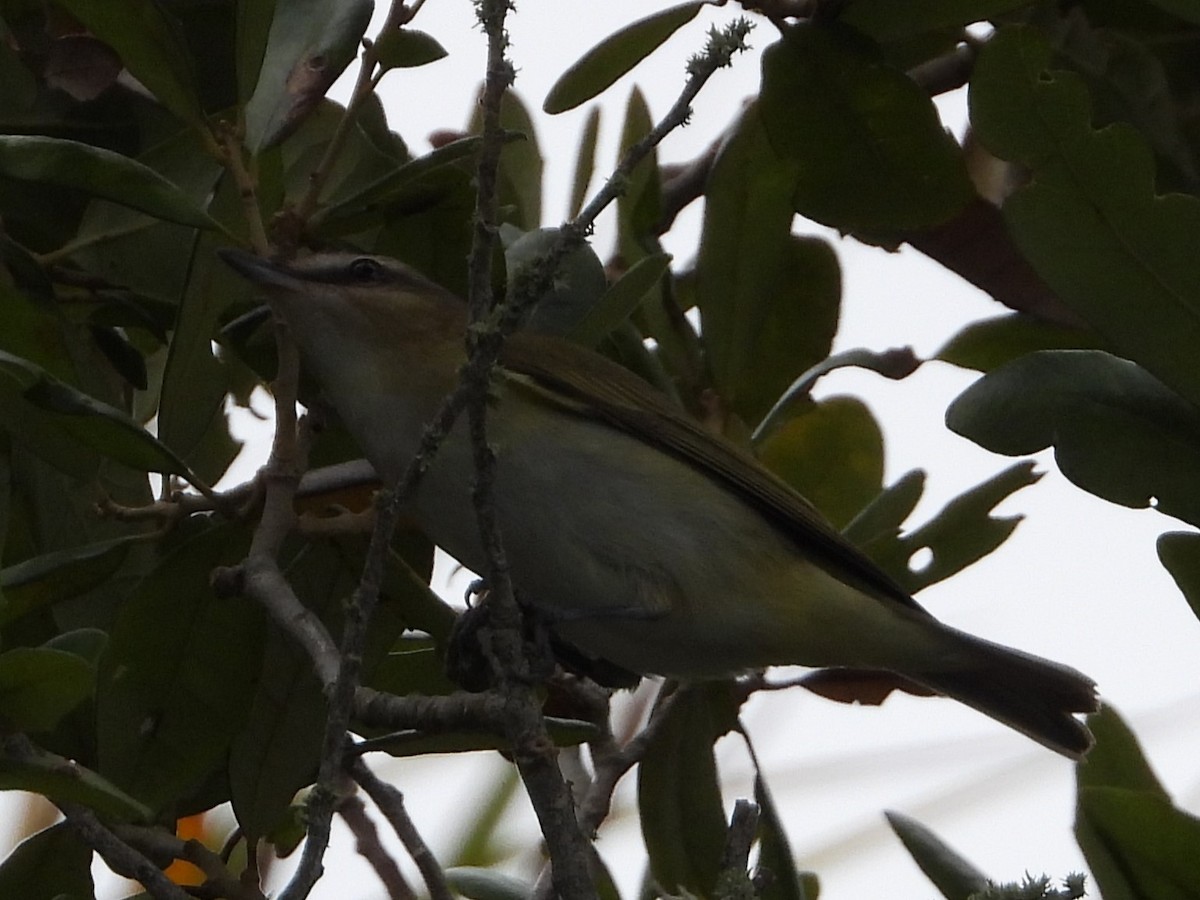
{"x":365,"y":269}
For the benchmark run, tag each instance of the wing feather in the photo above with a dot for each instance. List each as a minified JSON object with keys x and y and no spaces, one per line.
{"x":588,"y":384}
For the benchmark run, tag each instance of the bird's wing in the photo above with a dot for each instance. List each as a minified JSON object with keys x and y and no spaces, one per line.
{"x":587,"y":383}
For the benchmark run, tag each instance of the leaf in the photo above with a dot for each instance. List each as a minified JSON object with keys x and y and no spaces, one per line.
{"x":585,"y":162}
{"x":621,"y":299}
{"x":487,"y":884}
{"x":679,"y":795}
{"x":775,"y":852}
{"x":1179,"y":552}
{"x":99,"y":173}
{"x":352,"y":213}
{"x":60,"y":414}
{"x":405,"y":48}
{"x":956,"y":878}
{"x":962,"y":533}
{"x":176,"y":682}
{"x":895,"y":20}
{"x":989,"y":343}
{"x":768,"y":300}
{"x":832,"y":454}
{"x":46,"y":579}
{"x":39,"y":685}
{"x":597,"y":69}
{"x":1089,"y":219}
{"x":309,"y":45}
{"x":63,"y":780}
{"x":1136,"y":842}
{"x":191,"y":407}
{"x":870,"y":151}
{"x":882,"y":518}
{"x":54,"y":863}
{"x":149,"y":45}
{"x":253,"y":26}
{"x":578,"y":281}
{"x":520,"y":172}
{"x":1116,"y":430}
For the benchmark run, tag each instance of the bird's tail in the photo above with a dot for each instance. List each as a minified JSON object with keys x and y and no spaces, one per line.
{"x":1039,"y":698}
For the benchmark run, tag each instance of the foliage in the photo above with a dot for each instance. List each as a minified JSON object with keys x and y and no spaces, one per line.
{"x":137,"y":687}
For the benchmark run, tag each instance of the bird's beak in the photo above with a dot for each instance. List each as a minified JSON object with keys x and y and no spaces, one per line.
{"x":260,"y":271}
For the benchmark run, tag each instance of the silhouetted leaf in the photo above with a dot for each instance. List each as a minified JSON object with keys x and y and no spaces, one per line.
{"x":1137,"y":843}
{"x":956,"y":878}
{"x":54,"y":414}
{"x":892,"y":20}
{"x":406,"y":48}
{"x":989,"y":343}
{"x":1179,"y":552}
{"x":177,"y":681}
{"x":40,"y":685}
{"x":1089,"y":219}
{"x":615,"y":55}
{"x":100,"y":173}
{"x":679,"y":794}
{"x":871,"y":153}
{"x":832,"y":453}
{"x":54,"y":863}
{"x":1117,"y":431}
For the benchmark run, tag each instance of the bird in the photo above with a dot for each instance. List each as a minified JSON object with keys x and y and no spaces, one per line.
{"x":644,"y":540}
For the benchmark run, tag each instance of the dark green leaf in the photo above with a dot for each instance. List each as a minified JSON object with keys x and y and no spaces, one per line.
{"x":872,"y":154}
{"x":38,"y":686}
{"x":194,"y":381}
{"x":832,"y":453}
{"x":679,"y":794}
{"x":893,"y":20}
{"x":953,"y":875}
{"x":54,"y":863}
{"x":59,"y":413}
{"x":640,"y":205}
{"x":961,"y":534}
{"x":585,"y":162}
{"x":177,"y":681}
{"x":354,"y":212}
{"x":520,"y":173}
{"x":883,"y":517}
{"x":775,"y":852}
{"x":63,"y":780}
{"x":615,"y":55}
{"x":578,"y":281}
{"x":405,"y":48}
{"x":46,"y":579}
{"x":1116,"y":430}
{"x":100,"y":173}
{"x":989,"y":343}
{"x":1136,"y":842}
{"x":253,"y":25}
{"x":621,"y":299}
{"x":1089,"y":219}
{"x":768,"y":300}
{"x":1179,"y":552}
{"x":150,"y":46}
{"x":309,"y":45}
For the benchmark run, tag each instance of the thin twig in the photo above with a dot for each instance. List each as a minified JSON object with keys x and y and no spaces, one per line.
{"x":366,"y":839}
{"x":391,"y":803}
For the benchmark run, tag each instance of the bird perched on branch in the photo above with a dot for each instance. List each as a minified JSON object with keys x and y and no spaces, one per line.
{"x":643,"y":539}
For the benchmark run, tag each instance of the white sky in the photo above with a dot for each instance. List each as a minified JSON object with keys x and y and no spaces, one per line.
{"x":1078,"y":582}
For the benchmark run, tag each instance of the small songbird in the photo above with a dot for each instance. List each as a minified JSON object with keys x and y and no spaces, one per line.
{"x":643,"y":539}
